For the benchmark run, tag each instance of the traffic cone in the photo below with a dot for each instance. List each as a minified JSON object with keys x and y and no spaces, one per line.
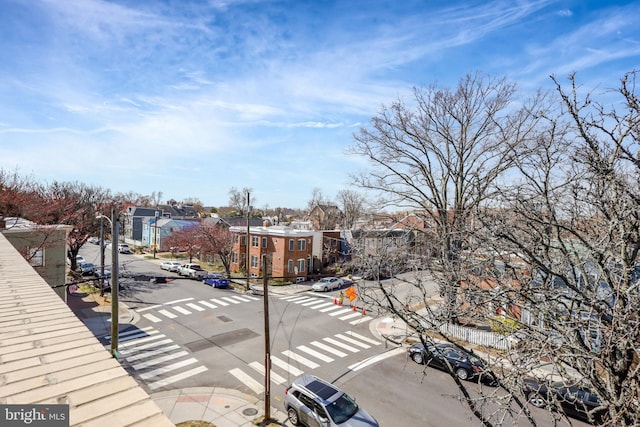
{"x":364,"y":312}
{"x":335,"y":301}
{"x":340,"y":302}
{"x":354,"y":308}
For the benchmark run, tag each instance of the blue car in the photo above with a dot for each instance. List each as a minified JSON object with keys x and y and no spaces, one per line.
{"x":216,"y":280}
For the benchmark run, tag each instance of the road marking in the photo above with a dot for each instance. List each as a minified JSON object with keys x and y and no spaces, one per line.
{"x":273,"y":376}
{"x":168,"y":368}
{"x":315,"y":354}
{"x":140,"y":310}
{"x":323,"y":304}
{"x":178,"y":300}
{"x":293,"y":356}
{"x":167,"y":313}
{"x":352,"y":341}
{"x":253,"y":298}
{"x":243,"y":299}
{"x":341,"y":345}
{"x":140,"y":340}
{"x":144,"y":347}
{"x":375,"y":359}
{"x":177,"y":377}
{"x":350,"y":316}
{"x":159,"y":360}
{"x":362,"y":338}
{"x":247,"y":380}
{"x":333,"y":307}
{"x":313,"y":302}
{"x":304,"y":299}
{"x":284,"y":365}
{"x":181,"y":310}
{"x":207,"y":304}
{"x":145,"y":354}
{"x":132,"y":332}
{"x":195,"y":307}
{"x":151,"y":317}
{"x":217,"y":301}
{"x":362,"y":319}
{"x":294,"y":298}
{"x":328,"y":349}
{"x":343,"y":311}
{"x":231,"y":300}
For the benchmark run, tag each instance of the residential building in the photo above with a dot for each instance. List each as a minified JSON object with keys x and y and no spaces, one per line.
{"x":290,"y":251}
{"x":156,"y":230}
{"x":325,"y":217}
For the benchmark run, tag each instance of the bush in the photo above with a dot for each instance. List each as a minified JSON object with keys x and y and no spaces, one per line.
{"x":504,"y":325}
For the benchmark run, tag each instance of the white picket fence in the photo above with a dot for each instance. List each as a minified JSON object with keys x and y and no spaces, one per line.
{"x":475,"y":336}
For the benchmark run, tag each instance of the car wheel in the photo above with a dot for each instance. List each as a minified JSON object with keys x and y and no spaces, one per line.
{"x":462,"y":373}
{"x":326,"y":289}
{"x":537,"y":400}
{"x":418,"y":358}
{"x":292,"y":414}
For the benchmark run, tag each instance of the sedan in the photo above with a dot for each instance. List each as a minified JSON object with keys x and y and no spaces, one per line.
{"x":216,"y":280}
{"x":327,"y":284}
{"x":170,"y":265}
{"x":87,"y":268}
{"x":574,"y":401}
{"x":465,"y":365}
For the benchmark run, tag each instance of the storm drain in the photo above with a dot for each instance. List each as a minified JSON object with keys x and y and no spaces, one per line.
{"x":222,"y":340}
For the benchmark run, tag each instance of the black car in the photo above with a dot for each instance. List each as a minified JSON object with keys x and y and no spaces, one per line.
{"x":464,"y":364}
{"x":574,"y":401}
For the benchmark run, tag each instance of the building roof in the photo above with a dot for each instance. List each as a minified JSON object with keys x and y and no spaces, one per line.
{"x":48,"y":356}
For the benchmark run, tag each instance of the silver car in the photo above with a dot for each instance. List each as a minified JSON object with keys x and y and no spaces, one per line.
{"x":313,"y":402}
{"x":327,"y":284}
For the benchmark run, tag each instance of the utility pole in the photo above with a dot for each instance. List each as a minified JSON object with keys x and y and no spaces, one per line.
{"x":114,"y":285}
{"x":101,"y":255}
{"x":246,"y":261}
{"x":267,"y":342}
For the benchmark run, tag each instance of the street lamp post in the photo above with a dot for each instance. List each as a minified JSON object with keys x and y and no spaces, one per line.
{"x":155,"y":235}
{"x":114,"y":282}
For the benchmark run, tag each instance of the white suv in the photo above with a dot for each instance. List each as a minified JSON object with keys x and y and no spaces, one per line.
{"x":123,"y":248}
{"x":313,"y":402}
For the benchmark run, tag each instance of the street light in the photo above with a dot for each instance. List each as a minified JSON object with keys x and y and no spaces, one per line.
{"x":114,"y":281}
{"x":155,"y":235}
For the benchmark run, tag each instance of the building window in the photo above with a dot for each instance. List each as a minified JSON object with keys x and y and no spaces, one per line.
{"x":36,"y":257}
{"x":235,"y":239}
{"x":264,"y":242}
{"x":301,"y":268}
{"x":243,"y":240}
{"x":254,"y":241}
{"x":254,"y":261}
{"x":302,"y":244}
{"x":234,"y":257}
{"x":290,"y":266}
{"x":291,"y":245}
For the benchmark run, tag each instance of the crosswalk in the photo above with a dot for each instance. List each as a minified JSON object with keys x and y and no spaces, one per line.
{"x":327,"y":306}
{"x":155,"y":358}
{"x":186,"y":306}
{"x":291,"y":363}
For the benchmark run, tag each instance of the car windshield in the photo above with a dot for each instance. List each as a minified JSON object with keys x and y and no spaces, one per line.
{"x":342,"y":409}
{"x":326,"y":280}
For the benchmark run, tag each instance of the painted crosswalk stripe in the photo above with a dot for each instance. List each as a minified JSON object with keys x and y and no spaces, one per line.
{"x":167,"y":313}
{"x":305,"y":299}
{"x":289,"y":297}
{"x":258,"y":367}
{"x":152,"y":318}
{"x":341,"y":345}
{"x":243,"y":299}
{"x":124,"y":334}
{"x":252,"y":298}
{"x":140,"y":310}
{"x":159,"y":360}
{"x":294,"y":298}
{"x":168,"y":368}
{"x":177,"y":377}
{"x":321,"y":304}
{"x":194,"y":306}
{"x":284,"y":365}
{"x":328,"y":349}
{"x":343,"y":311}
{"x":377,"y":358}
{"x":231,"y":300}
{"x":362,"y":338}
{"x":181,"y":310}
{"x":146,"y":354}
{"x":219,"y":302}
{"x":143,"y":347}
{"x":312,"y":302}
{"x":254,"y":385}
{"x":207,"y":304}
{"x":136,"y":335}
{"x":315,"y":354}
{"x":178,"y":300}
{"x":333,"y":307}
{"x":132,"y":342}
{"x":293,"y":356}
{"x":350,"y":316}
{"x":352,"y":341}
{"x":360,"y":320}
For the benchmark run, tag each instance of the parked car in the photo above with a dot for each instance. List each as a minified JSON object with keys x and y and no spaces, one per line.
{"x":576,"y":402}
{"x":170,"y":265}
{"x":311,"y":402}
{"x":107,"y":272}
{"x":216,"y":280}
{"x":93,"y":240}
{"x":123,"y":248}
{"x":465,"y":365}
{"x":86,"y":268}
{"x":193,"y":271}
{"x":79,"y":260}
{"x":327,"y":284}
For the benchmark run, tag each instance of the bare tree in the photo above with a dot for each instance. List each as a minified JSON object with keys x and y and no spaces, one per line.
{"x":352,"y":205}
{"x":238,"y":200}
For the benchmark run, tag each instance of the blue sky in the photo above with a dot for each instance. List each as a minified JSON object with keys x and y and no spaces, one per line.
{"x":191,"y":98}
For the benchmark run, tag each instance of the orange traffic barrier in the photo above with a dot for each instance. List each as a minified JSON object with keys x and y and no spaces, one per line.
{"x":335,"y":301}
{"x":364,"y":311}
{"x":354,"y":308}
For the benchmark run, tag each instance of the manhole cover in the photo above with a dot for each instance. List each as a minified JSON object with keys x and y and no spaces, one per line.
{"x":250,"y":412}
